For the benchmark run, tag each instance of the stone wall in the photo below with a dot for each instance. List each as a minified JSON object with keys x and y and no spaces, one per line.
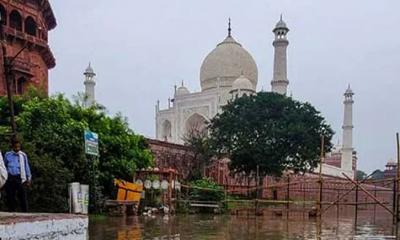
{"x":43,"y":226}
{"x":170,"y":155}
{"x":299,"y":187}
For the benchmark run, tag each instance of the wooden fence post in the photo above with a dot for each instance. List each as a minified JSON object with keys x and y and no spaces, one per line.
{"x":319,"y":202}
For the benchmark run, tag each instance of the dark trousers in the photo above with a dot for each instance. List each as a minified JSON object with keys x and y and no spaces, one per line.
{"x":14,"y":188}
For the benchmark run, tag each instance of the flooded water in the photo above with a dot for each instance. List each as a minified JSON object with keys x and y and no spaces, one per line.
{"x":223,"y":227}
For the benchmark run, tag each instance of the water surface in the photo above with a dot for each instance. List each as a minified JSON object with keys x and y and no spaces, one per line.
{"x":223,"y":227}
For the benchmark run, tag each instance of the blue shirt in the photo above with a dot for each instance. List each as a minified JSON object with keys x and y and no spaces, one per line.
{"x":11,"y":160}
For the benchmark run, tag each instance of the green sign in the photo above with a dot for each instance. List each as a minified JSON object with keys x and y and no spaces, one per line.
{"x":91,"y":143}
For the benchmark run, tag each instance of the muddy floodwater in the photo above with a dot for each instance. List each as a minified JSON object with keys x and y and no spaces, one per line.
{"x":223,"y":227}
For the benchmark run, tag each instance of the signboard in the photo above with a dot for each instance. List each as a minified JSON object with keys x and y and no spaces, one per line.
{"x":91,"y":143}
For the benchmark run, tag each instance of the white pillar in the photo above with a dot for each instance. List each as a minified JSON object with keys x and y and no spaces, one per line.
{"x":280,"y":81}
{"x":347,"y":148}
{"x":89,"y":87}
{"x":157,"y":112}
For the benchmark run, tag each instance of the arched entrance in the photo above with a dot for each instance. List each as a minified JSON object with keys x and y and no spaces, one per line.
{"x":196,"y":124}
{"x":166,"y":130}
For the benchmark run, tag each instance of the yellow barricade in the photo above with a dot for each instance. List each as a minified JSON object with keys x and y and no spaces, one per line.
{"x":128,"y":191}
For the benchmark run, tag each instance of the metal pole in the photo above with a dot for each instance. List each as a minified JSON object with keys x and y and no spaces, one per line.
{"x":170,"y":190}
{"x":8,"y":78}
{"x":287,"y":197}
{"x":397,"y":177}
{"x":374,"y":204}
{"x":337,"y":207}
{"x":258,"y":180}
{"x":356,"y":206}
{"x":257,"y":188}
{"x":9,"y":81}
{"x":319,"y":202}
{"x":94,"y":167}
{"x":394,"y":201}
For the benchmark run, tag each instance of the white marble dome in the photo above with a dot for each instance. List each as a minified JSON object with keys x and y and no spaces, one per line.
{"x":226,"y":62}
{"x":242,"y":83}
{"x":182,"y":90}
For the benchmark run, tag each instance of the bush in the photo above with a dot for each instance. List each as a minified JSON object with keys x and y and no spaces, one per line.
{"x":52,"y":135}
{"x":206,"y":190}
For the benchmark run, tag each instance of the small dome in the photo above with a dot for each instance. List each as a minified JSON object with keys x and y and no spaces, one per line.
{"x":242,"y":83}
{"x":281,"y":24}
{"x":182,"y":90}
{"x":225,"y":63}
{"x":349,"y":91}
{"x":89,"y":70}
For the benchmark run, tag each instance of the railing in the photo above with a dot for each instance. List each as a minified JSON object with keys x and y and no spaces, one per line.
{"x":22,"y":65}
{"x":23,"y":36}
{"x":35,"y":41}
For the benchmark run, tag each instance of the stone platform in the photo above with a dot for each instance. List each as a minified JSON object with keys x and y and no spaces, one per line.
{"x":45,"y":226}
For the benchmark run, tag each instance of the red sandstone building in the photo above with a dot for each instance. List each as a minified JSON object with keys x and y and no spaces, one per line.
{"x":25,"y":26}
{"x":391,"y":170}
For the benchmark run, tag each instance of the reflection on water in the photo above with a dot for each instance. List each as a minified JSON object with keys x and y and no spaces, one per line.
{"x":225,"y":227}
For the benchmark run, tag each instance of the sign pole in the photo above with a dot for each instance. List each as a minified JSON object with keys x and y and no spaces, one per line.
{"x":92,"y":149}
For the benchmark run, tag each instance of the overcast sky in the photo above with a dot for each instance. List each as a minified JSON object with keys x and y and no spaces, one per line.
{"x":140,"y":49}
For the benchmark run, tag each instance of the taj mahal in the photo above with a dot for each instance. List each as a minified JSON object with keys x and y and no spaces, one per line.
{"x":230,"y":71}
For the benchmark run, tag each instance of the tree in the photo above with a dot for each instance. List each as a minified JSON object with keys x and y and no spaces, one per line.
{"x":271,"y":131}
{"x":52,"y":133}
{"x":360,"y":175}
{"x":199,"y":145}
{"x":377,"y":175}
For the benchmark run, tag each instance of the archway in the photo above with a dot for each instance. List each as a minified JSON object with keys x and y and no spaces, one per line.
{"x":3,"y":14}
{"x":30,"y":26}
{"x":166,"y":130}
{"x":16,"y":20}
{"x":20,"y":86}
{"x":196,"y":124}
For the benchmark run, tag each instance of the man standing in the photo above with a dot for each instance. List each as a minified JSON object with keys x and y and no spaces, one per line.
{"x":19,"y":177}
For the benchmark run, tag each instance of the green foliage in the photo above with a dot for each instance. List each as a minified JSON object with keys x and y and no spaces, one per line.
{"x":199,"y":145}
{"x":272,"y":131}
{"x":360,"y":175}
{"x":52,"y":132}
{"x":206,"y":190}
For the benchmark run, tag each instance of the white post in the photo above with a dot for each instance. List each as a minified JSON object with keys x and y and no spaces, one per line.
{"x":347,"y":148}
{"x":280,"y":81}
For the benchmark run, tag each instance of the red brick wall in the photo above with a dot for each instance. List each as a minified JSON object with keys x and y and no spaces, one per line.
{"x":299,"y":186}
{"x":169,"y":155}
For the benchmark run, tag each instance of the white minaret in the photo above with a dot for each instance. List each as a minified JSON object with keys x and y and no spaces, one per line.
{"x":347,"y":148}
{"x":280,"y":82}
{"x":89,"y":86}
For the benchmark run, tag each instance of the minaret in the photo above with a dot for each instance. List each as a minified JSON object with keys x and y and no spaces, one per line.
{"x":347,"y":147}
{"x":89,"y":86}
{"x":280,"y":82}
